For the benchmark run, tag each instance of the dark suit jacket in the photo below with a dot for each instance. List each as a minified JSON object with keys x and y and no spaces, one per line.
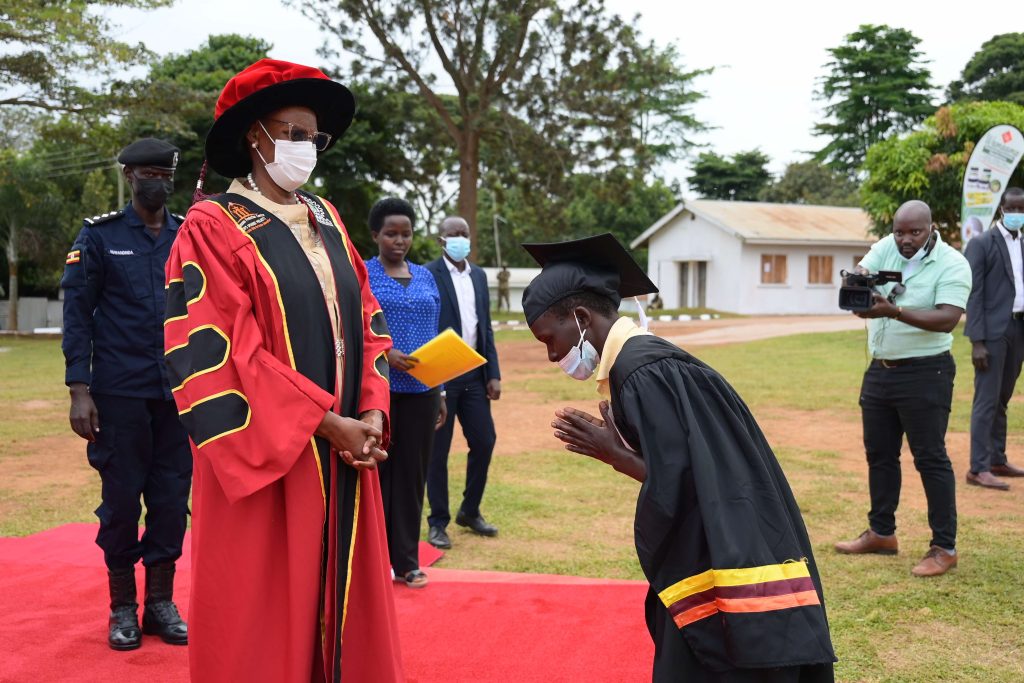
{"x":450,"y":312}
{"x":991,"y":301}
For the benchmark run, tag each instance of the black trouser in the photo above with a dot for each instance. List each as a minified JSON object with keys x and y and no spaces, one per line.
{"x":993,"y":389}
{"x":467,"y":399}
{"x":912,"y":399}
{"x":141,"y":450}
{"x":403,"y":474}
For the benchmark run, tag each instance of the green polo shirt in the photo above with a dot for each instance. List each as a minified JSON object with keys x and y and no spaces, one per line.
{"x":944,"y":277}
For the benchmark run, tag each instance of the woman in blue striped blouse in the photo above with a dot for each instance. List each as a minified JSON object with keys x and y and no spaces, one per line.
{"x":408,"y":296}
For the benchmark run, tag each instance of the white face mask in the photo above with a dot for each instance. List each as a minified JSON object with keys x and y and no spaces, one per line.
{"x":582,"y":359}
{"x":293,"y":162}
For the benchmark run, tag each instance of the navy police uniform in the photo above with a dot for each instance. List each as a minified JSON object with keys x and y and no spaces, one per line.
{"x":113,"y":342}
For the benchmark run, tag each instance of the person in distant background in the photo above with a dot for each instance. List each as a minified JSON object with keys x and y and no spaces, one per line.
{"x":503,"y":288}
{"x":407,"y":294}
{"x":466,"y":308}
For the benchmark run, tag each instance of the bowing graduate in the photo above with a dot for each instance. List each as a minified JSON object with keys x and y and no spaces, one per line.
{"x":734,"y":592}
{"x":277,"y":354}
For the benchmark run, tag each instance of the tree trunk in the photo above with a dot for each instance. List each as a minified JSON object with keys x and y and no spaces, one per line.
{"x":12,"y":285}
{"x":469,"y":175}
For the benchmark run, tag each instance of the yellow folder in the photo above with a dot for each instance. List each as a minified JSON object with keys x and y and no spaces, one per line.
{"x":443,"y":358}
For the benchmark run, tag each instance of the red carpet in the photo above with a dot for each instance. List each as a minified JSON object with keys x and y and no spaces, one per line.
{"x":465,"y":626}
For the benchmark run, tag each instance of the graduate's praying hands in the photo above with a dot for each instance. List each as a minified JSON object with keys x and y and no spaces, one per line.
{"x":594,"y":437}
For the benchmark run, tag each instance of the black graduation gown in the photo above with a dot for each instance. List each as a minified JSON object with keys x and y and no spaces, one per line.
{"x":735,"y":595}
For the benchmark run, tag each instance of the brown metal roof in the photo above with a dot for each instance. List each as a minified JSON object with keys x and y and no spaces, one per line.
{"x":755,"y":221}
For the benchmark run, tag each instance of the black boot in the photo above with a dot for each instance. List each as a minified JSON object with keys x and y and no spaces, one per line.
{"x":161,"y":616}
{"x":124,"y":610}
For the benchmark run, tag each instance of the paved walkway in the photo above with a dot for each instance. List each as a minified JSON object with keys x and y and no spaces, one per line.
{"x":732,"y":330}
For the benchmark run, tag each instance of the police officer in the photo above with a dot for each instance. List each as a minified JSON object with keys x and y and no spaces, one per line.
{"x":120,"y":399}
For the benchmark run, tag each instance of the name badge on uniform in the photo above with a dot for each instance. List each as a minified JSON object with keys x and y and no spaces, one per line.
{"x":120,"y":252}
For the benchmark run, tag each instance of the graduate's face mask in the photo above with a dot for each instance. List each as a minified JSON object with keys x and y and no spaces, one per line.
{"x":582,"y":359}
{"x":293,"y":162}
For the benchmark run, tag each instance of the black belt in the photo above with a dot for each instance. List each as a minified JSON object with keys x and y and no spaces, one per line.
{"x":1017,"y":316}
{"x":900,"y":362}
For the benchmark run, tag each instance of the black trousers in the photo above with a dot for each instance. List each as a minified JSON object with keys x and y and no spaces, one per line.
{"x":403,"y":474}
{"x":914,"y":400}
{"x":141,"y":451}
{"x":467,"y":400}
{"x":993,"y":389}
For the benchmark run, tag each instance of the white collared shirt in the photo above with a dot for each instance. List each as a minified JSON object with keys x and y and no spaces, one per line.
{"x":466,"y":296}
{"x":1017,"y":261}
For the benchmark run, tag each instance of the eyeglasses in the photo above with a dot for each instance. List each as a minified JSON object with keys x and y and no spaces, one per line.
{"x":299,"y":134}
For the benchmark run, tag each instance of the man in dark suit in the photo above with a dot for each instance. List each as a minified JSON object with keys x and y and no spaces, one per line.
{"x":995,"y":325}
{"x":465,"y":307}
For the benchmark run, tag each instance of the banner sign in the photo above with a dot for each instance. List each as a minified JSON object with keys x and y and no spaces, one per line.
{"x":988,"y":171}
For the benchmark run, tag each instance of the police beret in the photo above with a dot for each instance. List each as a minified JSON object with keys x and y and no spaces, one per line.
{"x":150,"y":152}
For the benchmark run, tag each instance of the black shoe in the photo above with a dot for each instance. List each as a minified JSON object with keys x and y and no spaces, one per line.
{"x":161,"y":618}
{"x":438,"y":538}
{"x":476,"y":524}
{"x":124,"y":633}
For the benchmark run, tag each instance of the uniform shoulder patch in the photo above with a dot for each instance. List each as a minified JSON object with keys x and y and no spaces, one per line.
{"x":104,"y":218}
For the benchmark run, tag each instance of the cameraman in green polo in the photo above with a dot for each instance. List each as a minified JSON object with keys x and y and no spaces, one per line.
{"x":908,"y":387}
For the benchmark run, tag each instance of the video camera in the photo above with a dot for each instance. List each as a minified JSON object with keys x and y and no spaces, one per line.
{"x":857,"y":290}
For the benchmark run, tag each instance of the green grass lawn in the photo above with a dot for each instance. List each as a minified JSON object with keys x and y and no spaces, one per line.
{"x":562,"y":513}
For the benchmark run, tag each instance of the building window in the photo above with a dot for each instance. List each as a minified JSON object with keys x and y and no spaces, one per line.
{"x":819,"y":270}
{"x":773,"y":269}
{"x":856,"y":261}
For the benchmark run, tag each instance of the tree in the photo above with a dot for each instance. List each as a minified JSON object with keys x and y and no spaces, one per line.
{"x":741,"y":177}
{"x":995,"y":72}
{"x":877,"y":86}
{"x":811,"y":182}
{"x":176,"y":99}
{"x":600,"y":94}
{"x":929,"y":164}
{"x":49,"y":46}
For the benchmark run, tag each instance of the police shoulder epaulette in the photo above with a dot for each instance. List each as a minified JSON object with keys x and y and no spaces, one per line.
{"x":104,"y":217}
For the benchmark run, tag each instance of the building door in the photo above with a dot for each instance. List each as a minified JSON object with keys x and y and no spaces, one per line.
{"x":702,"y":284}
{"x":684,"y":284}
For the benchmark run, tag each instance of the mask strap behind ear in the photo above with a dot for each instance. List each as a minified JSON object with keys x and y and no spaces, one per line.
{"x":645,"y":323}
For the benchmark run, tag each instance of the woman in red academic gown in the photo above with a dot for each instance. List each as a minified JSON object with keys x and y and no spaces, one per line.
{"x":276,"y":350}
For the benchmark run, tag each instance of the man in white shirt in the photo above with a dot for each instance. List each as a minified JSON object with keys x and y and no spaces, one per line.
{"x":465,"y":307}
{"x":995,"y":325}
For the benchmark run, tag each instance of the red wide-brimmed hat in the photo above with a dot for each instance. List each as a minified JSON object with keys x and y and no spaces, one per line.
{"x":266,"y":86}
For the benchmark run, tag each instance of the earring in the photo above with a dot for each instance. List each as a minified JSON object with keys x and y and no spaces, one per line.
{"x":254,"y":145}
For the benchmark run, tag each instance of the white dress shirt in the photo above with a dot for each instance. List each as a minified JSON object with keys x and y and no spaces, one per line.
{"x":1017,"y":261}
{"x":466,"y":295}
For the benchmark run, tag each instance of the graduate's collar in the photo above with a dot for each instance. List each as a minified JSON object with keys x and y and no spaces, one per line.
{"x":623,"y":329}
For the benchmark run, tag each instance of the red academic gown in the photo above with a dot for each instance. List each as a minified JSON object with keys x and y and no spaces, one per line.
{"x":290,"y":578}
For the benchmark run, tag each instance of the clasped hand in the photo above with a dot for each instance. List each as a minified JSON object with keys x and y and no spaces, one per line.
{"x":357,"y":441}
{"x":585,"y":434}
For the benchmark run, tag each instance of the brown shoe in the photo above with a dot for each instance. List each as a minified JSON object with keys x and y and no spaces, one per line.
{"x":986,"y":480}
{"x":869,"y":542}
{"x":935,"y":563}
{"x":1007,"y":470}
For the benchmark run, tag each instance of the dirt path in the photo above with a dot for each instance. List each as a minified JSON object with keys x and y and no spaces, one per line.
{"x":523,"y":418}
{"x":59,"y":470}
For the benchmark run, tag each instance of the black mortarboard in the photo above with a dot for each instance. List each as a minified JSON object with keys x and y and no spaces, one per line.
{"x":150,"y":152}
{"x":598,"y":264}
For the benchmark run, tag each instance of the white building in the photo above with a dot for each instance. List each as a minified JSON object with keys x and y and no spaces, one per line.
{"x":754,"y":257}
